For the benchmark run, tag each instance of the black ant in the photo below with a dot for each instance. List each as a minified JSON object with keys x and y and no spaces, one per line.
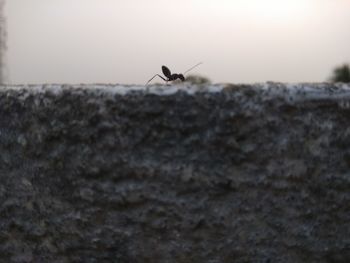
{"x":171,"y":77}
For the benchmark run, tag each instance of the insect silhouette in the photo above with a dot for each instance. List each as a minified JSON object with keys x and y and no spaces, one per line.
{"x":172,"y":77}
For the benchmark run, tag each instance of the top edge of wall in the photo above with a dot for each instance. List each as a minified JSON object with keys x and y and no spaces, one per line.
{"x":269,"y":89}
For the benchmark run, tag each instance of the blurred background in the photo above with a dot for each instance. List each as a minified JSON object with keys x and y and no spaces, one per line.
{"x":127,"y":41}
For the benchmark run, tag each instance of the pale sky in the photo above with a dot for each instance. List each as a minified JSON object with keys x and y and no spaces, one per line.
{"x":127,"y":41}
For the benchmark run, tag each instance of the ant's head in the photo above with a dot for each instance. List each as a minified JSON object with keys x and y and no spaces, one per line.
{"x":180,"y":76}
{"x":177,"y":76}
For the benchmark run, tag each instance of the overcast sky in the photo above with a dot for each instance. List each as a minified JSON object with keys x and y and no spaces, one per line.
{"x":127,"y":41}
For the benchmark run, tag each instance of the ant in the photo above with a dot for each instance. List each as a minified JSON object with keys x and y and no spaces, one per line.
{"x":171,"y":77}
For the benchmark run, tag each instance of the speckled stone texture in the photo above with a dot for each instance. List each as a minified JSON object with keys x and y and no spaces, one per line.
{"x":246,"y":174}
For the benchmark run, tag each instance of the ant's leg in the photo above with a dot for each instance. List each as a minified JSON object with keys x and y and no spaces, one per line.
{"x":156,"y":76}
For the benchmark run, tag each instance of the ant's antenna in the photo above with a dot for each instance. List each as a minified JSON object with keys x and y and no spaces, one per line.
{"x":193,"y":67}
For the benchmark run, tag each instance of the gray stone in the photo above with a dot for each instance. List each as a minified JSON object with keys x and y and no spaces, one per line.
{"x":175,"y":174}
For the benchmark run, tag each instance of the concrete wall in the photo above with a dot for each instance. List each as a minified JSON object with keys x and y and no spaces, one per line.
{"x":175,"y":174}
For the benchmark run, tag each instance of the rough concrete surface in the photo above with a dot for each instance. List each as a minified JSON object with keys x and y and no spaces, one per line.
{"x":208,"y":174}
